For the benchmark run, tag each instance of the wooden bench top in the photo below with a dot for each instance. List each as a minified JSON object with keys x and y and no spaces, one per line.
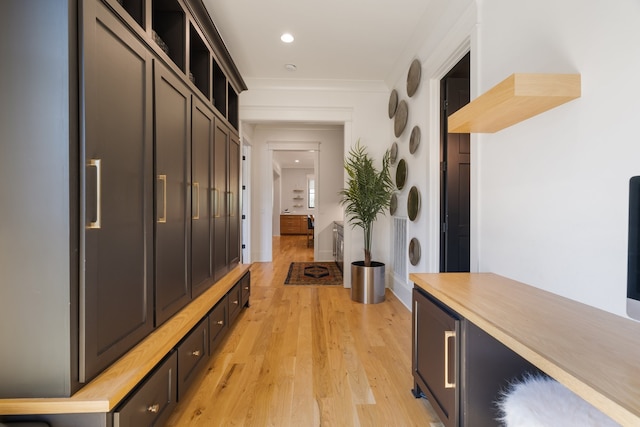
{"x":109,"y":388}
{"x":592,"y":352}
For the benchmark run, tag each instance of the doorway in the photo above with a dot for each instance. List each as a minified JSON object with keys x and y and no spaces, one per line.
{"x":455,"y":173}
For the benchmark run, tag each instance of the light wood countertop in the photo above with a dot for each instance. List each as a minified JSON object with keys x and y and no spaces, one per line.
{"x":594,"y":353}
{"x":106,"y":391}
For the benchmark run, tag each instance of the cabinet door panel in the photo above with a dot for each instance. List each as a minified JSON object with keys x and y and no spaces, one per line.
{"x":201,"y":215}
{"x":435,"y":358}
{"x":220,"y":204}
{"x":173,"y":136}
{"x":117,"y":214}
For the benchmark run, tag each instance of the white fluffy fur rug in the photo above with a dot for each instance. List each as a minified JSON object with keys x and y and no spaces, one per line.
{"x":540,"y":401}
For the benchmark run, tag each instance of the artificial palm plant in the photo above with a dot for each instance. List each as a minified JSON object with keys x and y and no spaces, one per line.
{"x":368,"y":192}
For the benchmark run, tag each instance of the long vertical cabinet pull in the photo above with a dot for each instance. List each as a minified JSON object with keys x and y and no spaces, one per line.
{"x":447,"y":339}
{"x":163,"y":219}
{"x":196,"y":189}
{"x":98,"y":165}
{"x":216,"y":203}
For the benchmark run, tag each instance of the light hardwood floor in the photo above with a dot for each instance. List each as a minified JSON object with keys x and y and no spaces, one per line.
{"x":308,"y":356}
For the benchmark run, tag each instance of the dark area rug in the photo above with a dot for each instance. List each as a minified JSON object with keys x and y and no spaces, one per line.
{"x":314,"y":273}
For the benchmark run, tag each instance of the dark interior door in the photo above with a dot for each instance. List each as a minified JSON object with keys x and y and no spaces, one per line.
{"x":455,"y":176}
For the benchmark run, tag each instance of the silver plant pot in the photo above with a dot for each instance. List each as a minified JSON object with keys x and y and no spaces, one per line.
{"x":367,"y":283}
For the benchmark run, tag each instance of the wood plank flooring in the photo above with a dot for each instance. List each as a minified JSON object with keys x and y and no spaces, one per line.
{"x":308,"y":356}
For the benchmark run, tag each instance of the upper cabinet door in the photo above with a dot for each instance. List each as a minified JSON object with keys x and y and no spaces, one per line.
{"x":202,"y":131}
{"x":173,"y":192}
{"x":220,"y":206}
{"x":116,"y":191}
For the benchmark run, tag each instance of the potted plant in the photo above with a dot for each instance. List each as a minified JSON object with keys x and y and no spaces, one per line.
{"x":368,"y":193}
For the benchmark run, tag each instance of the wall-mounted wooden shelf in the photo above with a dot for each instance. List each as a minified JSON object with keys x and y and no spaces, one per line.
{"x":517,"y":98}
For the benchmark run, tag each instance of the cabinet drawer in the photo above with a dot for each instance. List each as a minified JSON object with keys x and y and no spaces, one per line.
{"x":193,"y":354}
{"x":235,"y":302}
{"x":245,"y":290}
{"x":218,"y":324}
{"x":153,"y":402}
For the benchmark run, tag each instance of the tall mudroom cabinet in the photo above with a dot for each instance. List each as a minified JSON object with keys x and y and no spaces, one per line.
{"x":119,"y":180}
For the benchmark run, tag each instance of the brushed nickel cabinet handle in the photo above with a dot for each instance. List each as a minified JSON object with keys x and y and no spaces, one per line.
{"x":235,"y":302}
{"x":196,"y":190}
{"x":216,"y":203}
{"x":195,"y":353}
{"x":153,"y":408}
{"x":163,"y":218}
{"x":97,"y":163}
{"x":220,"y":322}
{"x":447,"y":336}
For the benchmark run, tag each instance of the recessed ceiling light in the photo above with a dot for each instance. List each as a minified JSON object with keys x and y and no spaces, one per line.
{"x":286,"y":37}
{"x":297,"y":161}
{"x":290,"y":67}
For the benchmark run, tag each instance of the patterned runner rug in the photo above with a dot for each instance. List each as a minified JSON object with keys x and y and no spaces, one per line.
{"x":314,"y":273}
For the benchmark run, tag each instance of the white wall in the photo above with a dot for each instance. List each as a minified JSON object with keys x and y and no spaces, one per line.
{"x":553,"y":191}
{"x":294,"y":184}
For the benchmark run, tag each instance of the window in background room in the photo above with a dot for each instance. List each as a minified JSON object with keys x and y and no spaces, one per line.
{"x":311,"y":191}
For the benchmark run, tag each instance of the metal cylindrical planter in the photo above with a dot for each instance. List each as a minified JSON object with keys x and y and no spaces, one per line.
{"x":367,"y":283}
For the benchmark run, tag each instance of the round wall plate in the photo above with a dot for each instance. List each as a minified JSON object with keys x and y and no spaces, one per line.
{"x":394,"y":204}
{"x":402,"y":114}
{"x":413,"y":77}
{"x":393,"y":103}
{"x":393,"y":153}
{"x":401,"y":174}
{"x":413,"y":203}
{"x":414,"y":251}
{"x":414,"y":141}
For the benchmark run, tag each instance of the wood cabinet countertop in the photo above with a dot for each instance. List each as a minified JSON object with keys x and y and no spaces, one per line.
{"x":106,"y":391}
{"x":594,"y":353}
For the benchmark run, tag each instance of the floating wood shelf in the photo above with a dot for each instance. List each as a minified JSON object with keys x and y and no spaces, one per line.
{"x":517,"y":98}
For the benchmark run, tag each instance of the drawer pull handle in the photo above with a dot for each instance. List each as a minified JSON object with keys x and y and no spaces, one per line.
{"x":447,"y":336}
{"x":195,"y":353}
{"x":163,"y":219}
{"x":236,"y":302}
{"x":153,"y":408}
{"x":220,"y":322}
{"x":246,"y":288}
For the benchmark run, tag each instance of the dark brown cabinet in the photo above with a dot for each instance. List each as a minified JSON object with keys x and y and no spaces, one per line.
{"x":153,"y":402}
{"x":435,"y":356}
{"x":226,"y":199}
{"x":218,"y":324}
{"x":117,"y":202}
{"x":193,"y":354}
{"x":457,"y":366}
{"x":202,"y":198}
{"x":101,"y":189}
{"x":173,"y":209}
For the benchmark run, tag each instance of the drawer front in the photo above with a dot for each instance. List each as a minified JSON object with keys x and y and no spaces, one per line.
{"x":193,"y":354}
{"x":218,"y":324}
{"x":245,"y":290}
{"x":153,"y":402}
{"x":235,"y":302}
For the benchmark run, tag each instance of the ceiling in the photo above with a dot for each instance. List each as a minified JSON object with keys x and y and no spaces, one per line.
{"x":334,"y":39}
{"x":287,"y":159}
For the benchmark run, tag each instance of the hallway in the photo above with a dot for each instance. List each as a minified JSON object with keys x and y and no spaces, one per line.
{"x":308,"y":356}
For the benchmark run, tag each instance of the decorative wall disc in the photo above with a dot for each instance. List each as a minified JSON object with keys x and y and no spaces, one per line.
{"x":393,"y":103}
{"x":394,"y":204}
{"x":414,"y":251}
{"x":393,"y":153}
{"x":413,"y":203}
{"x":402,"y":114}
{"x":413,"y":77}
{"x":414,"y":141}
{"x":401,"y":174}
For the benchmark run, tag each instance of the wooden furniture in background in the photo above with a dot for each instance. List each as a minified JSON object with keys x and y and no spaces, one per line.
{"x":293,"y":224}
{"x":517,"y":98}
